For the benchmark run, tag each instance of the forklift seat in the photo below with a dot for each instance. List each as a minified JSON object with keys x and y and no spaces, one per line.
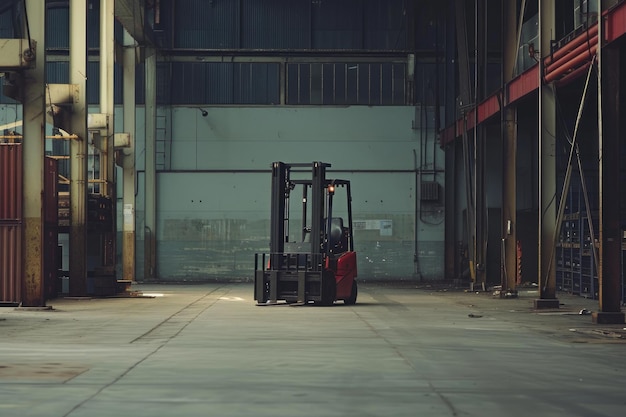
{"x":338,"y":236}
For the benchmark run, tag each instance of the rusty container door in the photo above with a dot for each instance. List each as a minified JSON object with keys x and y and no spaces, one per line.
{"x":51,"y":282}
{"x":11,"y":214}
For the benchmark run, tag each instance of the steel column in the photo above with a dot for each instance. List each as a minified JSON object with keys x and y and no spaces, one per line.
{"x":107,"y":106}
{"x":150,"y":177}
{"x":547,"y":167}
{"x":509,"y":156}
{"x":128,"y":158}
{"x":78,"y":149}
{"x":480,"y":148}
{"x":610,"y":236}
{"x":34,"y":132}
{"x":277,"y":216}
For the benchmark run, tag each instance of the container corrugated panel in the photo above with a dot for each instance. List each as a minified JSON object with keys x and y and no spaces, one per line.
{"x":10,"y":222}
{"x":10,"y":182}
{"x":275,"y":24}
{"x":10,"y":262}
{"x":206,"y":25}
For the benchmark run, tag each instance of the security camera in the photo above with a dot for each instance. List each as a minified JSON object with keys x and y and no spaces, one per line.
{"x":204,"y":113}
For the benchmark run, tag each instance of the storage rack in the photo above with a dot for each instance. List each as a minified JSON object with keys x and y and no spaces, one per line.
{"x":576,"y":271}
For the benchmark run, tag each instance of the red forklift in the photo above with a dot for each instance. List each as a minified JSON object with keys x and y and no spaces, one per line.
{"x":311,"y":257}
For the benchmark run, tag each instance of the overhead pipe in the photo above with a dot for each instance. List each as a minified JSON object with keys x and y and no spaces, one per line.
{"x":572,"y":76}
{"x":580,"y":39}
{"x":552,"y":76}
{"x":572,"y":54}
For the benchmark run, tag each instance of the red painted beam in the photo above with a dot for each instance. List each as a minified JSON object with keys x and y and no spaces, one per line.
{"x":528,"y":81}
{"x":615,"y":22}
{"x":523,"y":84}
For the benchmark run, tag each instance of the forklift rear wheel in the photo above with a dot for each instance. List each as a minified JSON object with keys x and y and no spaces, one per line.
{"x":353,"y":294}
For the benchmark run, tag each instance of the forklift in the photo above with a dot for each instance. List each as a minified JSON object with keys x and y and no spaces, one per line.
{"x":317,"y":263}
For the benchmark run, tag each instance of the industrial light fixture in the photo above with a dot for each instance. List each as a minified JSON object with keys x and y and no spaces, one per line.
{"x":203,"y":112}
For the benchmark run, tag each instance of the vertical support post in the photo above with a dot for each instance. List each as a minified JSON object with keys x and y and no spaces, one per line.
{"x":128,"y":159}
{"x":150,"y":177}
{"x":277,"y":216}
{"x":509,"y":154}
{"x":480,"y":201}
{"x":78,"y":149}
{"x":107,"y":106}
{"x":547,"y":167}
{"x":317,"y":205}
{"x":33,"y":158}
{"x":453,"y":269}
{"x":282,"y":82}
{"x":465,"y":92}
{"x":610,"y":236}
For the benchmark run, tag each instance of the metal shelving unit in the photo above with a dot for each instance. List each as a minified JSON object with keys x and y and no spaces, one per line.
{"x":576,"y":270}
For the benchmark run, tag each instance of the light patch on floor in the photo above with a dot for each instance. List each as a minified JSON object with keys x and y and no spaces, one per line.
{"x":45,"y":372}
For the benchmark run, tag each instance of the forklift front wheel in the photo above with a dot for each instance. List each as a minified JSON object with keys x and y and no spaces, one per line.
{"x":353,"y":294}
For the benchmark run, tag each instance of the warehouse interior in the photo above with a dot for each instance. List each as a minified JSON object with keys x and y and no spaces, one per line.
{"x":483,"y":139}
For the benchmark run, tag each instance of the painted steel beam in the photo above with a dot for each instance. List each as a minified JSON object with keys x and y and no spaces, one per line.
{"x":78,"y":150}
{"x":128,"y":160}
{"x":33,"y":83}
{"x":509,"y":161}
{"x":614,"y":21}
{"x":610,"y":113}
{"x":546,"y":274}
{"x":107,"y":106}
{"x":150,"y":172}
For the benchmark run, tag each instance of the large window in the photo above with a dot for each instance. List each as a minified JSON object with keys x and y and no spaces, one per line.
{"x":303,"y":83}
{"x":368,"y":84}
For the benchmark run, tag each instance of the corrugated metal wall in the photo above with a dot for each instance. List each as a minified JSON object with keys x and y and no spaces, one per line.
{"x":6,"y":25}
{"x":289,"y":24}
{"x":206,"y":25}
{"x":275,"y":24}
{"x":385,"y":25}
{"x":58,"y":23}
{"x":332,"y":30}
{"x":10,"y":222}
{"x":58,"y":72}
{"x":57,"y":28}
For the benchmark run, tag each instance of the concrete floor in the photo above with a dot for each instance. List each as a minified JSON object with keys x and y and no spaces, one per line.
{"x":207,"y":350}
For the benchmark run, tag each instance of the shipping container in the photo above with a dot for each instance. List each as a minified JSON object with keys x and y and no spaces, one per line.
{"x":10,"y":222}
